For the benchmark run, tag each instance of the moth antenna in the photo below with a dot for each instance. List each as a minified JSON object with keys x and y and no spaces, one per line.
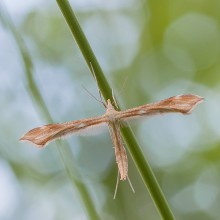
{"x":102,"y":101}
{"x":93,"y":73}
{"x":132,"y":188}
{"x":123,"y":84}
{"x":94,"y":96}
{"x":116,"y":104}
{"x":116,"y":187}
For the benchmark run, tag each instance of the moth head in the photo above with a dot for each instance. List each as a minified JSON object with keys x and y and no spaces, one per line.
{"x":109,"y":105}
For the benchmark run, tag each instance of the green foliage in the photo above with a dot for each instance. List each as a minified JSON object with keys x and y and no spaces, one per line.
{"x":148,"y":50}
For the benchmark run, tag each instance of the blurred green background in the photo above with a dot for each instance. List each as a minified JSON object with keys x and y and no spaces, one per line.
{"x":149,"y":50}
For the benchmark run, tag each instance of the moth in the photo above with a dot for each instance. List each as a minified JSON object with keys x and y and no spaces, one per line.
{"x":41,"y":136}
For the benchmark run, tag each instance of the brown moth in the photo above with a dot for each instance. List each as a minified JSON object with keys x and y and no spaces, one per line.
{"x":41,"y":136}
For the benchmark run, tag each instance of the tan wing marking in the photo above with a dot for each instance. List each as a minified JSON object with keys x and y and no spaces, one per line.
{"x":41,"y":136}
{"x":182,"y":103}
{"x":120,"y":153}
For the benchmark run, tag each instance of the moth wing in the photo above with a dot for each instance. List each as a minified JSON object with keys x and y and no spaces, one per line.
{"x":41,"y":136}
{"x":181,"y":103}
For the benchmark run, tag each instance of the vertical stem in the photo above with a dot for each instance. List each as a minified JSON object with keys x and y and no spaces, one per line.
{"x":134,"y":149}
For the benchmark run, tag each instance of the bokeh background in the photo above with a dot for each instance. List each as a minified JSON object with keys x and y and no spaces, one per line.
{"x":148,"y":50}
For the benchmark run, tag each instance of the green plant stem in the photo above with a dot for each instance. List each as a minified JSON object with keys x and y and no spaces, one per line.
{"x":65,"y":151}
{"x":85,"y":48}
{"x":134,"y":149}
